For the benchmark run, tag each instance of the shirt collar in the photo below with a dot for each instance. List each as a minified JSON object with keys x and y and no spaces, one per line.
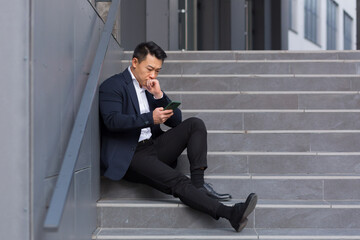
{"x":135,"y":82}
{"x":131,"y":74}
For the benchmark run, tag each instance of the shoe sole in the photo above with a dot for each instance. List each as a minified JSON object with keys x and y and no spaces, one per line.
{"x":242,"y":225}
{"x":249,"y":209}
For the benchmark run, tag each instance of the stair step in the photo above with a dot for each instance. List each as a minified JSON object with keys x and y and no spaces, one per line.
{"x":171,"y":213}
{"x":335,"y":67}
{"x":284,"y":187}
{"x":171,"y":234}
{"x":284,"y":142}
{"x":266,"y":100}
{"x":232,"y":82}
{"x":282,"y":124}
{"x":233,"y":164}
{"x":277,"y":121}
{"x":227,"y":233}
{"x":256,"y":55}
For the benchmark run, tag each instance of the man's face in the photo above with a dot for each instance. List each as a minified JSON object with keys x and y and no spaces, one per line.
{"x":148,"y":69}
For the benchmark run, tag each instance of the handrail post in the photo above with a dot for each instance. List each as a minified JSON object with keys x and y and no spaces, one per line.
{"x":65,"y":177}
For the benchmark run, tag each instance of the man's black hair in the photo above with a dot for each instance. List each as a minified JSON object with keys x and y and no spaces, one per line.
{"x":145,"y":48}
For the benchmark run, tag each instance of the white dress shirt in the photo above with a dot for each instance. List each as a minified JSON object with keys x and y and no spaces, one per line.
{"x":143,"y":105}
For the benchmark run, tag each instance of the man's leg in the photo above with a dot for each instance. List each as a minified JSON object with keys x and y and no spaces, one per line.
{"x":147,"y":168}
{"x":190,"y":134}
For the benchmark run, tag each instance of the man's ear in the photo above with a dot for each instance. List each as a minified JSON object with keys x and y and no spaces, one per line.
{"x":134,"y":62}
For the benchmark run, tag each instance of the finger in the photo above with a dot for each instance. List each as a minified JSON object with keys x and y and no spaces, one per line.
{"x":169,"y":114}
{"x":166,"y":117}
{"x":148,"y":83}
{"x":168,"y":111}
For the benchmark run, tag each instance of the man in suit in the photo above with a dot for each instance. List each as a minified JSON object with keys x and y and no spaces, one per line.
{"x":134,"y":147}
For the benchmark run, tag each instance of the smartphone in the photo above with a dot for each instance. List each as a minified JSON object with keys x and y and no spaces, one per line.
{"x":172,"y":105}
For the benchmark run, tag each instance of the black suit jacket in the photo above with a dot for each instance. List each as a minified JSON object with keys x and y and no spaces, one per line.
{"x":121,"y":122}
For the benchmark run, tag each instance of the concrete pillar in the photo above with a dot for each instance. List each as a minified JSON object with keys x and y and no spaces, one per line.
{"x":133,"y":23}
{"x":267,"y":25}
{"x":157,"y":22}
{"x":173,"y":25}
{"x":237,"y":24}
{"x":285,"y":24}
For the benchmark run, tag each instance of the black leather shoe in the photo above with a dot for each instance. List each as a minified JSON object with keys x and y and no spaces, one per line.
{"x":238,"y":218}
{"x":209,"y":190}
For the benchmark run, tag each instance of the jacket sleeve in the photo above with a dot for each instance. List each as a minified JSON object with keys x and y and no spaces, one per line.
{"x":115,"y":111}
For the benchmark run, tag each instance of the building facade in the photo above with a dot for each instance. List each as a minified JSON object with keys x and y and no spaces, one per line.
{"x":322,"y":25}
{"x":239,"y":24}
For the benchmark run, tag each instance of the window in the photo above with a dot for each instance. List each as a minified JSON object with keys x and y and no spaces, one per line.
{"x":331,"y":24}
{"x":347,"y":31}
{"x":311,"y":19}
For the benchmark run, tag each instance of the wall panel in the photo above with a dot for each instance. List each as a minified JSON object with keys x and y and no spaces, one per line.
{"x":15,"y":120}
{"x":66,"y":35}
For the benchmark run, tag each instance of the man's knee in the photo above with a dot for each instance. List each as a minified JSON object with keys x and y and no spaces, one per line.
{"x":196,"y":123}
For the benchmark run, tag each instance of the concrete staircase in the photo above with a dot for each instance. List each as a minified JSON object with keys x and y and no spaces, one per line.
{"x":285,"y":125}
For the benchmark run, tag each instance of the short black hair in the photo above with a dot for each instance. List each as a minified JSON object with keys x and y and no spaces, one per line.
{"x":145,"y":48}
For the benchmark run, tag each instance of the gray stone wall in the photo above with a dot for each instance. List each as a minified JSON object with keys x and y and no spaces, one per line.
{"x":46,"y":56}
{"x":15,"y":120}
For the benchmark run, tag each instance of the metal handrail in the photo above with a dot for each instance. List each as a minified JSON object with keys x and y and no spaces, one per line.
{"x":65,"y":177}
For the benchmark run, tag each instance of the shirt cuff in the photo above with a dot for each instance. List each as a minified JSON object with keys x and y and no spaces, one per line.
{"x":162,"y":95}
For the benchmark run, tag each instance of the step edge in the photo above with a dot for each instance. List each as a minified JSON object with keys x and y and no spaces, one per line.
{"x":289,"y":61}
{"x":247,"y":153}
{"x":214,"y":92}
{"x":270,"y":110}
{"x":280,"y":131}
{"x":258,"y":234}
{"x":258,"y":75}
{"x":262,"y":204}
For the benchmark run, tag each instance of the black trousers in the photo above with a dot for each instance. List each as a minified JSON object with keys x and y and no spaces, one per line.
{"x":153,"y":163}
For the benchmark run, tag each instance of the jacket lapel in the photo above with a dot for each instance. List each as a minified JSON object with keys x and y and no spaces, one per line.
{"x":131,"y":91}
